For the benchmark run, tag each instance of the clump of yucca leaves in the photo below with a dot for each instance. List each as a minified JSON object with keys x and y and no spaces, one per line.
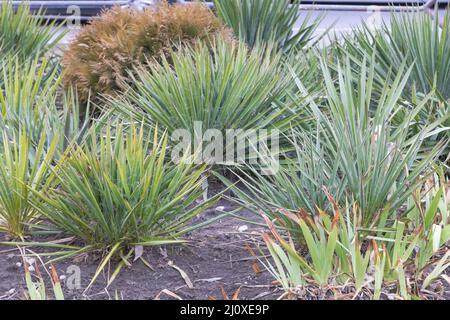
{"x":226,"y":86}
{"x":23,"y":165}
{"x":362,"y":165}
{"x":25,"y":35}
{"x":419,"y":40}
{"x":107,"y":49}
{"x":31,"y":99}
{"x":119,"y":191}
{"x":35,"y":131}
{"x":412,"y":35}
{"x":355,"y":150}
{"x":258,"y":22}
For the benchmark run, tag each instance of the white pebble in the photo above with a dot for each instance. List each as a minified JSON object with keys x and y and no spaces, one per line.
{"x":243,"y":228}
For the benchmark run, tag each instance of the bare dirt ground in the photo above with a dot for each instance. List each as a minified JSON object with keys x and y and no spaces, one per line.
{"x":216,"y":257}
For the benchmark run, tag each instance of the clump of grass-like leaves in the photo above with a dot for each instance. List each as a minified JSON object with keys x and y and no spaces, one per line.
{"x":37,"y":123}
{"x":24,"y":34}
{"x":23,"y":165}
{"x":415,"y":36}
{"x":31,"y":99}
{"x":258,"y":22}
{"x":224,"y":88}
{"x":119,"y":191}
{"x":355,"y":151}
{"x":340,"y":259}
{"x":381,"y":163}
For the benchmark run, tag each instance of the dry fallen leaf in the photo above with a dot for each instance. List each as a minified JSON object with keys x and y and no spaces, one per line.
{"x":249,"y":249}
{"x":235,"y":295}
{"x":169,"y":293}
{"x":446,"y":278}
{"x":209,"y":280}
{"x":183,"y":275}
{"x":147,"y":264}
{"x":138,"y":252}
{"x":256,"y":268}
{"x":224,"y":294}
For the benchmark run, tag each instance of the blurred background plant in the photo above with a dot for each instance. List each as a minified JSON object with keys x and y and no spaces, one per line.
{"x":259,"y":22}
{"x":24,"y":35}
{"x":412,"y":36}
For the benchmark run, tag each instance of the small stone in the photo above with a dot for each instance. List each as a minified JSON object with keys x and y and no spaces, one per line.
{"x":243,"y":228}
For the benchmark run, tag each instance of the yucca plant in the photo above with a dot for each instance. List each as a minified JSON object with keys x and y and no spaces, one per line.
{"x":119,"y":191}
{"x":221,"y":88}
{"x":415,"y":36}
{"x":380,"y":163}
{"x":356,"y":152}
{"x":298,"y":183}
{"x":258,"y":22}
{"x":27,"y":89}
{"x":31,"y":99}
{"x":23,"y":166}
{"x":25,"y":35}
{"x":435,"y":110}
